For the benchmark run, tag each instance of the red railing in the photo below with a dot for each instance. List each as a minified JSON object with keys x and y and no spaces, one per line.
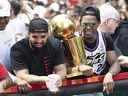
{"x":84,"y":84}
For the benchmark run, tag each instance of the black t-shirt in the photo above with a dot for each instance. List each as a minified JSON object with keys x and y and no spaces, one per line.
{"x":37,"y":61}
{"x":120,"y":37}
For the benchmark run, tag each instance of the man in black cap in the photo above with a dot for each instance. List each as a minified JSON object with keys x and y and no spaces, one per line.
{"x":99,"y":48}
{"x":37,"y":56}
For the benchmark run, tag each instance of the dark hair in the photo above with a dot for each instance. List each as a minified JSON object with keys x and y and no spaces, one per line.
{"x":16,"y":7}
{"x":39,"y":3}
{"x":38,"y":25}
{"x":90,"y":10}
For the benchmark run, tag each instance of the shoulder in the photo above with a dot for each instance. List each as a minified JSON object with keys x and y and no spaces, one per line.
{"x":123,"y":27}
{"x":55,"y":43}
{"x":20,"y":44}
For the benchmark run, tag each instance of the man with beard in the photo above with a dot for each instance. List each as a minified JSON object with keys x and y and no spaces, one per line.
{"x":36,"y":57}
{"x":99,"y":48}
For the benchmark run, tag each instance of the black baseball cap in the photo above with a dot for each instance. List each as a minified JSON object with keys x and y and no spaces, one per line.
{"x":91,"y":10}
{"x":38,"y":25}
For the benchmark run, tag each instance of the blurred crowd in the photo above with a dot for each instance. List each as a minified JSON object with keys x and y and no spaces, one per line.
{"x":49,"y":8}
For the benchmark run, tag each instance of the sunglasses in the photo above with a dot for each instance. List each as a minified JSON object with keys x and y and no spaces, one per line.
{"x":86,"y":25}
{"x":35,"y":37}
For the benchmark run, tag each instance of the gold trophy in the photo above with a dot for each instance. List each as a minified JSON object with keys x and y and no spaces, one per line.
{"x":63,"y":28}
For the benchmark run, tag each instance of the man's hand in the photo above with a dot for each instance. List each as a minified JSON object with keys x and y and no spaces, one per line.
{"x":108,"y":83}
{"x":86,"y":69}
{"x":123,"y":60}
{"x":54,"y":82}
{"x":23,"y":86}
{"x":2,"y":84}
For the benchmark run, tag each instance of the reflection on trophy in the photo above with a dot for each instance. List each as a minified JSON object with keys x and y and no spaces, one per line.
{"x":63,"y":28}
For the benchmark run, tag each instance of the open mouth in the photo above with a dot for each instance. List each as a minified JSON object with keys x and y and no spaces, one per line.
{"x":38,"y":45}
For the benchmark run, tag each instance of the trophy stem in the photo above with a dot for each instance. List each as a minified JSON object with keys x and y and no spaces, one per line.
{"x":76,"y":47}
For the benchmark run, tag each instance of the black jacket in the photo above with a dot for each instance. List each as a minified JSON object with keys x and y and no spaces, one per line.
{"x":120,"y":37}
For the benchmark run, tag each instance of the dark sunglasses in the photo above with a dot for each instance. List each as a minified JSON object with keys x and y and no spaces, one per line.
{"x":85,"y":25}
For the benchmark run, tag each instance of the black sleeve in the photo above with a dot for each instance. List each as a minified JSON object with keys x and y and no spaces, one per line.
{"x":108,"y":42}
{"x":59,"y":57}
{"x":18,"y":59}
{"x":59,"y":52}
{"x":122,"y":41}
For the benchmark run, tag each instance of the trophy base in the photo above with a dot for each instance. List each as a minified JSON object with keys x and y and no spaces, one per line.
{"x":74,"y":73}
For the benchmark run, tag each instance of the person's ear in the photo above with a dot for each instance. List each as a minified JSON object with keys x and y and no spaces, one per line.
{"x":28,"y":34}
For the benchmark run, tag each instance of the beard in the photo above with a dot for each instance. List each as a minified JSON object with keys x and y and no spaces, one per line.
{"x":37,"y":45}
{"x":34,"y":46}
